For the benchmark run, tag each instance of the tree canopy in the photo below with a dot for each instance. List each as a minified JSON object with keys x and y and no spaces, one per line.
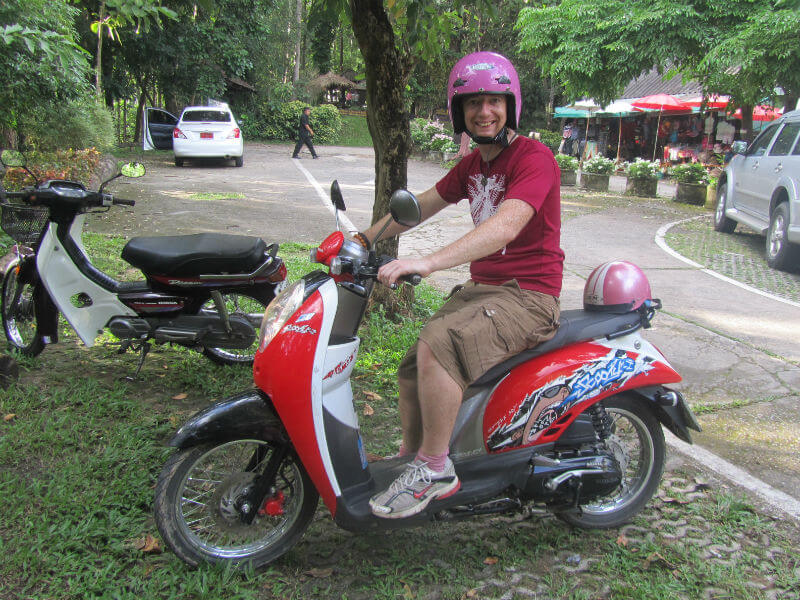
{"x":743,"y":48}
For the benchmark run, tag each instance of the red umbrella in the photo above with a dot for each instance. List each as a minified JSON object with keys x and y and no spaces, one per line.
{"x":660,"y":102}
{"x":761,"y":113}
{"x":713,"y":101}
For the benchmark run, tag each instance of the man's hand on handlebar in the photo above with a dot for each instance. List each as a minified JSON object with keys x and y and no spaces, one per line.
{"x":391,"y":272}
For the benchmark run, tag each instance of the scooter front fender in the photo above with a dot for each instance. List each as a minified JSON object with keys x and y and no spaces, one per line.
{"x":248,"y":414}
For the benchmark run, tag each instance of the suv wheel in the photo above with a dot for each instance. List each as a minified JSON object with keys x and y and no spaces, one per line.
{"x":721,"y":222}
{"x":781,"y":254}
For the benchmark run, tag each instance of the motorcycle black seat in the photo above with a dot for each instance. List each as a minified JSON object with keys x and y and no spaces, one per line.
{"x":574,"y":326}
{"x":195,"y":254}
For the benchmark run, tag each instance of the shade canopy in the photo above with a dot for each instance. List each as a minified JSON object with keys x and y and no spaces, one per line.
{"x":618,"y":108}
{"x":761,"y":113}
{"x":660,"y":102}
{"x":565,"y":112}
{"x":713,"y":101}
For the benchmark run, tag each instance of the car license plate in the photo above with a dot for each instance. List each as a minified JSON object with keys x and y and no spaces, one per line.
{"x":206,"y":135}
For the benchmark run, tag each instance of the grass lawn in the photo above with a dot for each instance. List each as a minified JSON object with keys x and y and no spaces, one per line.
{"x":81,"y":448}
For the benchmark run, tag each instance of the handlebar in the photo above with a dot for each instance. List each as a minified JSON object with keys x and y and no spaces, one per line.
{"x":123,"y":202}
{"x":411,"y":279}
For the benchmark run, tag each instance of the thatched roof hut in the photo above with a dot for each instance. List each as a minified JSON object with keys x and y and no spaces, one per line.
{"x":331,"y":80}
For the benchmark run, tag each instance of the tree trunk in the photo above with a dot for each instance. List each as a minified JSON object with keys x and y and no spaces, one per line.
{"x":387,"y":72}
{"x":98,"y":66}
{"x":298,"y":41}
{"x":746,"y":131}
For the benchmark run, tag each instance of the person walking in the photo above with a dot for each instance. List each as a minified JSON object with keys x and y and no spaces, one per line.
{"x":511,"y":301}
{"x":304,"y":134}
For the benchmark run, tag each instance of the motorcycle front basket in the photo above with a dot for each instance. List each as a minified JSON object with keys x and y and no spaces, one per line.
{"x":22,"y":223}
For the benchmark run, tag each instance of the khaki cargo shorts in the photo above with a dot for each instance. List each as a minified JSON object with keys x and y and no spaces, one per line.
{"x":482,"y":325}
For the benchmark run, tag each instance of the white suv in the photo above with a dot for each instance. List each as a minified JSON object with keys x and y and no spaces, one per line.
{"x":760,"y":188}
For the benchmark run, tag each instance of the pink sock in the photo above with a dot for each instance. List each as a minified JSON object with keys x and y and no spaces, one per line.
{"x":436,"y":462}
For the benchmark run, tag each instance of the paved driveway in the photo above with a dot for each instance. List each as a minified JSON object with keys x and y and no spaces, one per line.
{"x":737,"y":351}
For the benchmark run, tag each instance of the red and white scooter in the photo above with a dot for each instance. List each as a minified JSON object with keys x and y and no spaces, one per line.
{"x":573,"y":424}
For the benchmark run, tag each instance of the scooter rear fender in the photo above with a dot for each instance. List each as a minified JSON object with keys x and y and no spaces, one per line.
{"x":248,"y":414}
{"x":671,"y":410}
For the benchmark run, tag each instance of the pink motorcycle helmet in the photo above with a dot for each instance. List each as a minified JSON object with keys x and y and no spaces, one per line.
{"x":483,"y":73}
{"x":617,"y":285}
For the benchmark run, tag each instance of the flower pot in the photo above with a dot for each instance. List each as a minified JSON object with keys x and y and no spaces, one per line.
{"x":595,"y":182}
{"x":641,"y":186}
{"x":448,"y":156}
{"x":569,"y":177}
{"x":691,"y":193}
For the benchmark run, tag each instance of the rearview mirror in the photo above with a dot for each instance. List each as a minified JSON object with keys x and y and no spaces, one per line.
{"x":336,"y":196}
{"x":132,"y":169}
{"x":405,"y":209}
{"x":739,"y":147}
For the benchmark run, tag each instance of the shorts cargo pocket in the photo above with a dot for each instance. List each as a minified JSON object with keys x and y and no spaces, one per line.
{"x":478,"y":343}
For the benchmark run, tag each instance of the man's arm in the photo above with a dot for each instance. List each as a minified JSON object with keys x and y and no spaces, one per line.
{"x":490,"y":236}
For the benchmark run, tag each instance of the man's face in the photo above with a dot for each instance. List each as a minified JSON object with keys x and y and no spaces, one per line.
{"x":485,"y":114}
{"x":307,"y":111}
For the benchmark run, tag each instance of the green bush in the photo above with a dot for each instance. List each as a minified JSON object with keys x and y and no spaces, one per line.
{"x":80,"y":123}
{"x":566,"y":162}
{"x":690,"y":173}
{"x":599,"y":165}
{"x":643,"y":169}
{"x":551,"y":139}
{"x":279,"y":121}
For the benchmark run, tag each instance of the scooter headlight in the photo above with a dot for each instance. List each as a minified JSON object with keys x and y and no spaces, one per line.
{"x":280,"y":310}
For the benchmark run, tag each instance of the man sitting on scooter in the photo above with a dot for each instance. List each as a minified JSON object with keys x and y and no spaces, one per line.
{"x":511,"y":301}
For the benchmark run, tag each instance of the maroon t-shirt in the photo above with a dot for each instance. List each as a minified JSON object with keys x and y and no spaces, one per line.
{"x":527,"y":171}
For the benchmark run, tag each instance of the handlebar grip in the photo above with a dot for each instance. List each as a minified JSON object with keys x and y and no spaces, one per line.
{"x":124,"y":202}
{"x":411,"y":279}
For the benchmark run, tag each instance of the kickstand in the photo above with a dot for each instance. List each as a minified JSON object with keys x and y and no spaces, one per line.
{"x":144,"y":348}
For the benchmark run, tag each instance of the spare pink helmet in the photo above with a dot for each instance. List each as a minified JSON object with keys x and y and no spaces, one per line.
{"x":616,"y":286}
{"x":483,"y":73}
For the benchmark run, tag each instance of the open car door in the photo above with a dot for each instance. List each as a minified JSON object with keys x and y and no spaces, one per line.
{"x":157,"y":129}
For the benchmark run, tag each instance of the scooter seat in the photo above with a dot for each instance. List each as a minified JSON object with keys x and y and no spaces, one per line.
{"x":195,"y":254}
{"x":574,"y":326}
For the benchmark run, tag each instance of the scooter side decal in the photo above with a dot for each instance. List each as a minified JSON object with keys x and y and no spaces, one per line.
{"x":564,"y":387}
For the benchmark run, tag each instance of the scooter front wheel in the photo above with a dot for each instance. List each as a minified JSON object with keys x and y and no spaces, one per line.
{"x":250,"y":305}
{"x":19,"y":317}
{"x":199,"y":499}
{"x":637,"y":443}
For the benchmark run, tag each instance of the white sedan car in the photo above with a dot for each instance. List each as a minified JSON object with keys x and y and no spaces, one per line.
{"x":200,"y":132}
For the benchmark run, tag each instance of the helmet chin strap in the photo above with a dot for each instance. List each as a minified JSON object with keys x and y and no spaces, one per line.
{"x":501,"y":138}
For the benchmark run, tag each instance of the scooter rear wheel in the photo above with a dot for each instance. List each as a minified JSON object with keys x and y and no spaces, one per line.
{"x":637,"y":441}
{"x":19,"y":318}
{"x":197,"y":513}
{"x":250,"y":305}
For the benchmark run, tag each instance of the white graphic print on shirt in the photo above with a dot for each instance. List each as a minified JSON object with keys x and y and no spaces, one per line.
{"x":485,"y":196}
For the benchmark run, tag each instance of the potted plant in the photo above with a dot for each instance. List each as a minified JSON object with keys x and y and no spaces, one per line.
{"x":642,"y":178}
{"x":568,"y":165}
{"x":692,"y":185}
{"x":595,"y":173}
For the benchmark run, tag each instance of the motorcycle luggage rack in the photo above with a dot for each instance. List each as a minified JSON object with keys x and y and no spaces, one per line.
{"x":22,"y":223}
